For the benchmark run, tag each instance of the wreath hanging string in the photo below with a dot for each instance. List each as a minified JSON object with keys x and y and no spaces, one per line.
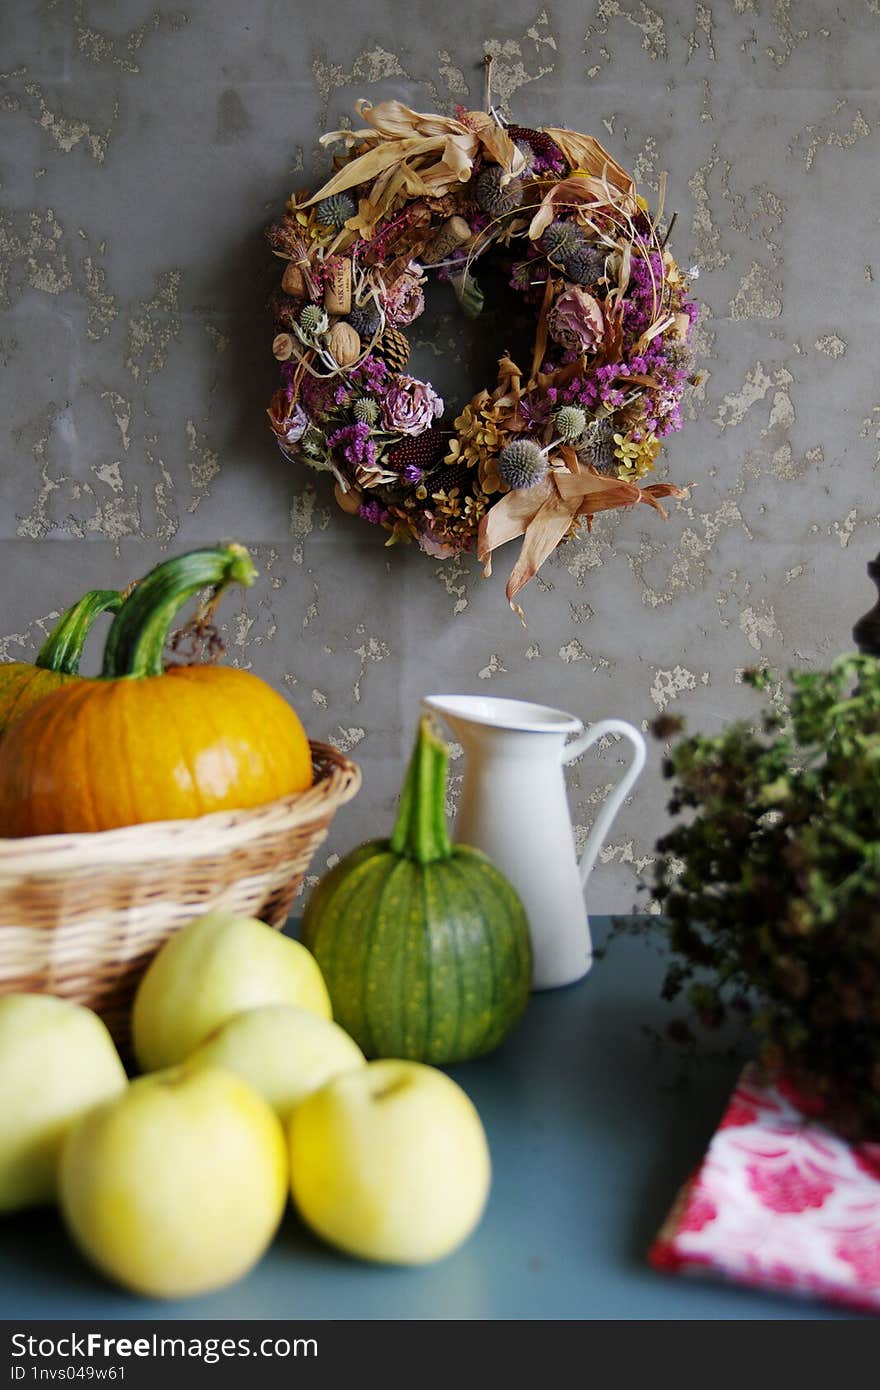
{"x":550,"y":445}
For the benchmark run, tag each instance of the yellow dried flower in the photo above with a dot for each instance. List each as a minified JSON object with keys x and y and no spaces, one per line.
{"x":635,"y":457}
{"x":313,"y":231}
{"x":477,"y":433}
{"x":447,"y":503}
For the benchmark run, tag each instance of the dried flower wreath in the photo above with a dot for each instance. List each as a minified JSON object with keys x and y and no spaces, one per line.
{"x":547,"y":447}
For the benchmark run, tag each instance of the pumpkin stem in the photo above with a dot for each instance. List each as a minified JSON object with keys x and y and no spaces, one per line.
{"x":420,"y":831}
{"x":136,"y":641}
{"x":63,"y":648}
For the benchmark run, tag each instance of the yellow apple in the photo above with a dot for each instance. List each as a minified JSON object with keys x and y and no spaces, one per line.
{"x":56,"y":1060}
{"x":390,"y":1163}
{"x":215,"y":967}
{"x":282,"y":1051}
{"x":178,"y":1186}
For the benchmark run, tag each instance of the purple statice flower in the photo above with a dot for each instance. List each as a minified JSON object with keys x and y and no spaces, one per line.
{"x":287,"y":380}
{"x":636,"y":318}
{"x":691,"y":308}
{"x":370,"y":377}
{"x":355,"y":444}
{"x":372,"y":512}
{"x":317,"y":395}
{"x":638,"y":309}
{"x":529,"y":276}
{"x":581,"y":391}
{"x":412,"y":474}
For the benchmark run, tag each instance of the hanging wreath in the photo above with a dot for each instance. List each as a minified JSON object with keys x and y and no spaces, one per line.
{"x":551,"y":443}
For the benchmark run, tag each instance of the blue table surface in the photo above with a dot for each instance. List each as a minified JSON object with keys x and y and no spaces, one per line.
{"x":593,"y":1123}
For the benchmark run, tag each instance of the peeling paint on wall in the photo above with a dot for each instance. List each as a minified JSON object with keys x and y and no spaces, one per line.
{"x":146,"y":148}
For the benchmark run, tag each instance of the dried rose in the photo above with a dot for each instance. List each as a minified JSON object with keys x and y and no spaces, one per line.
{"x":576,"y":321}
{"x":437,"y":549}
{"x":410,"y":406}
{"x":295,"y":426}
{"x":405,"y":301}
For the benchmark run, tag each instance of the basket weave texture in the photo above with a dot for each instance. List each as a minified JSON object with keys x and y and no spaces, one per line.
{"x":81,"y":916}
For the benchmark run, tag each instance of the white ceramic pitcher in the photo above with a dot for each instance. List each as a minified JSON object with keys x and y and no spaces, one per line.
{"x":514,"y":807}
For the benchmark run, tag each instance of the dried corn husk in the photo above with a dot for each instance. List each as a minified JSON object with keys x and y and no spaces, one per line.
{"x":578,"y":189}
{"x":583,"y":152}
{"x":543,"y":515}
{"x":409,"y":154}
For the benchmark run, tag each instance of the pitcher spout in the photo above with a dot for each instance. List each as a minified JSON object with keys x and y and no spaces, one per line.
{"x":513,"y":716}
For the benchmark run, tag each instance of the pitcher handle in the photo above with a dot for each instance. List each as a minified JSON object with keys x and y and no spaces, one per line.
{"x":621,"y":791}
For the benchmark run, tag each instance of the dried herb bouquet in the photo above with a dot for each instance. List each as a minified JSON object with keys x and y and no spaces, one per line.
{"x":770,"y":885}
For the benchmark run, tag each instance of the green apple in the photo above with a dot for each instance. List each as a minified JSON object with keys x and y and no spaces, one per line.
{"x":176,"y":1187}
{"x":390,"y":1163}
{"x":56,"y":1060}
{"x":215,"y":967}
{"x":282,"y":1051}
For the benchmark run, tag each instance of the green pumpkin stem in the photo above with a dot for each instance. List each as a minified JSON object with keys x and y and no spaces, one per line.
{"x":420,"y":831}
{"x":63,"y":648}
{"x":136,"y":641}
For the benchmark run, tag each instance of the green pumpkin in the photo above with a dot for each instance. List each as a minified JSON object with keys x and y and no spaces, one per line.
{"x":424,"y":945}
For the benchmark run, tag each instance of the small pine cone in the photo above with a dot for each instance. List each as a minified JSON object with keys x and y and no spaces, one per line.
{"x":584,"y":265}
{"x":394,"y":347}
{"x":423,"y":451}
{"x":597,"y":449}
{"x":539,"y":143}
{"x":335,"y":210}
{"x":521,"y":464}
{"x":451,"y":475}
{"x":494,"y":197}
{"x":365,"y":320}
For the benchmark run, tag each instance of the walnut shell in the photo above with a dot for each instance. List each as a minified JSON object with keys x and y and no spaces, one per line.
{"x":344,"y":343}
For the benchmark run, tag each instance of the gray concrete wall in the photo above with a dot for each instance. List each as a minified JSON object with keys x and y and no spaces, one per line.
{"x":142,"y":153}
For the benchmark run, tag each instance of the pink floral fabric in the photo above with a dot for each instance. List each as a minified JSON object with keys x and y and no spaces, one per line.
{"x":781,"y":1202}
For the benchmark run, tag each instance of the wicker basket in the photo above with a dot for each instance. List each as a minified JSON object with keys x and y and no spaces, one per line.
{"x":82,"y":915}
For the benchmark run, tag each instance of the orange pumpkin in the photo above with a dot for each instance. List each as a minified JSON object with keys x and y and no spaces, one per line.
{"x":142,"y":743}
{"x":57,"y":663}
